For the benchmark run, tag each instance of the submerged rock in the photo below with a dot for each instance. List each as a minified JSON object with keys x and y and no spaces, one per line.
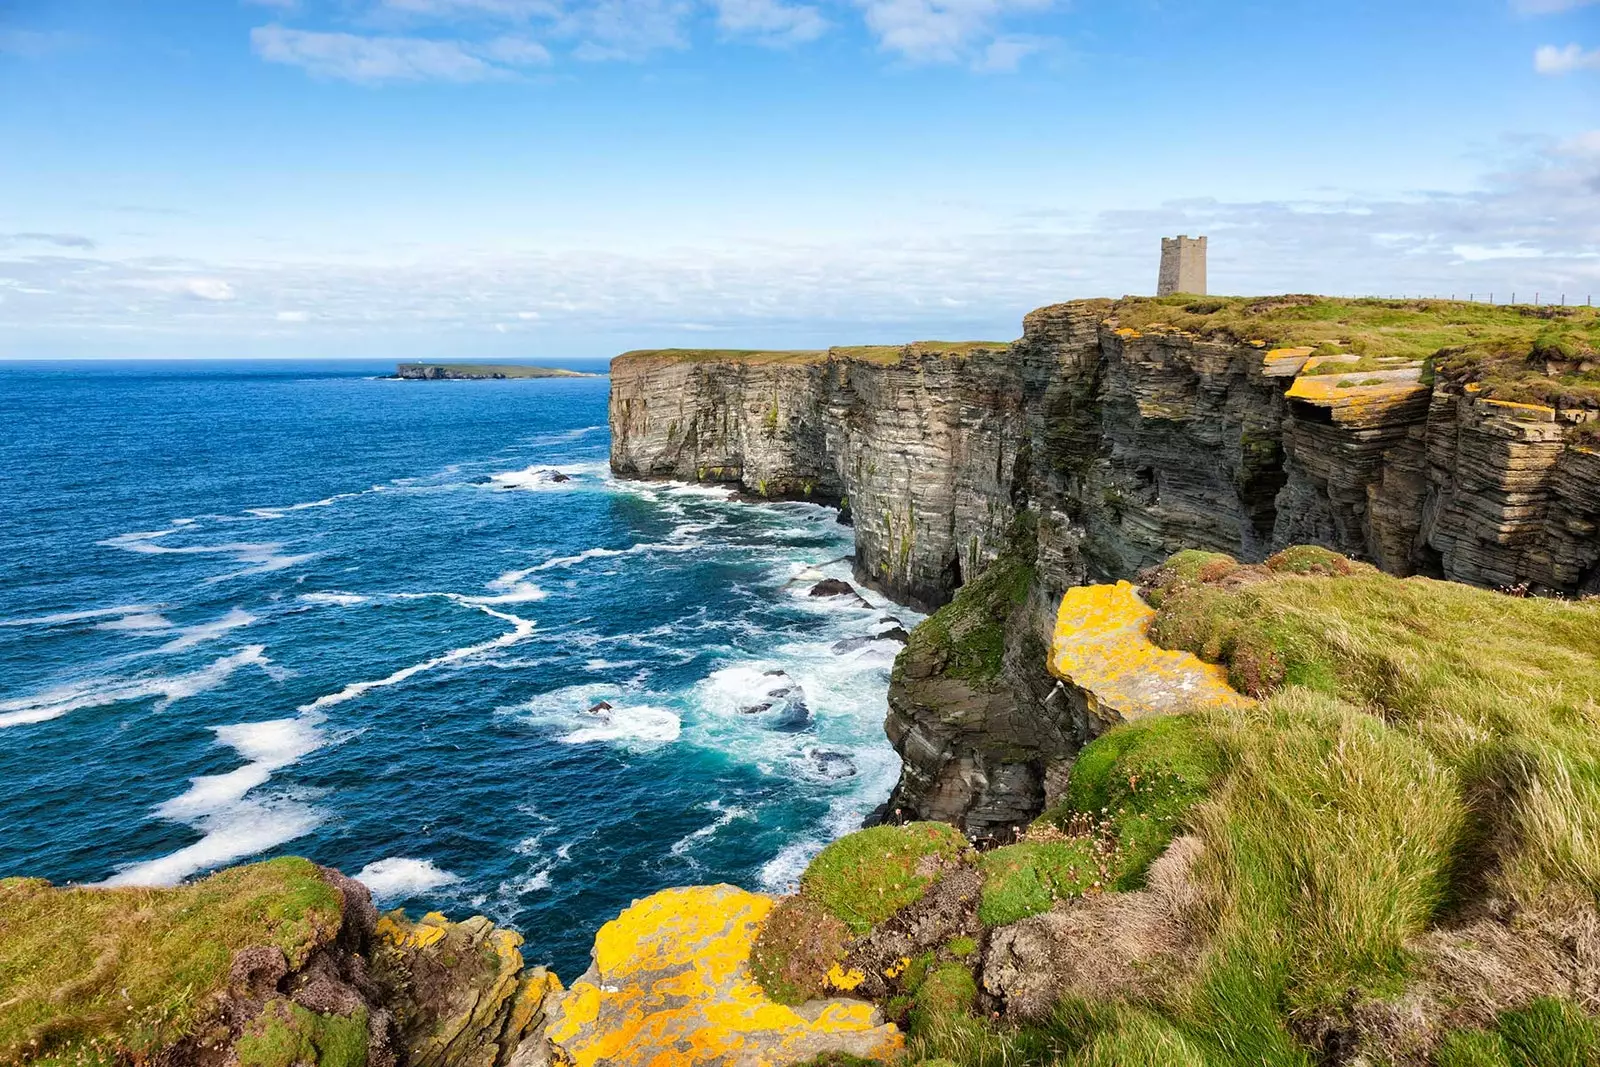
{"x":832,"y":587}
{"x":832,"y":764}
{"x":785,"y":699}
{"x":670,"y":984}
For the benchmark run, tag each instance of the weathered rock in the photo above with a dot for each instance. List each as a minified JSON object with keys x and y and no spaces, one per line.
{"x":461,"y":993}
{"x":670,"y":985}
{"x":785,"y":700}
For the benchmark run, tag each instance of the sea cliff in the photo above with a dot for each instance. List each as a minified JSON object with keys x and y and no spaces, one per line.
{"x":1453,"y":441}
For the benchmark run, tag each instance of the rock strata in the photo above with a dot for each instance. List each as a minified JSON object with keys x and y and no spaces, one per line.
{"x":1118,"y":446}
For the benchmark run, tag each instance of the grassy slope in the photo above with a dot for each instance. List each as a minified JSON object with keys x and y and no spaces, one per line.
{"x":1506,"y":349}
{"x":86,"y":973}
{"x":1419,"y":747}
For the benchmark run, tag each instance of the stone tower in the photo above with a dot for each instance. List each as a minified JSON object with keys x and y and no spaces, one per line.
{"x":1183,"y":266}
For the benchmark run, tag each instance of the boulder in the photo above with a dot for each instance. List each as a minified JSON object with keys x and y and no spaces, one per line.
{"x":670,"y":983}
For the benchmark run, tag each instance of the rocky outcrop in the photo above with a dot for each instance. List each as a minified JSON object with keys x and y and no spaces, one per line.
{"x":1117,"y":446}
{"x":670,"y":983}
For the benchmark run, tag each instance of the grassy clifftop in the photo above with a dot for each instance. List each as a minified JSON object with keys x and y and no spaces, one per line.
{"x":1519,"y":353}
{"x":1390,"y":856}
{"x":887,"y":354}
{"x":92,"y":976}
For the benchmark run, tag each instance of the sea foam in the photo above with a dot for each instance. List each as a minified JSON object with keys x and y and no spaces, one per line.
{"x":401,"y":877}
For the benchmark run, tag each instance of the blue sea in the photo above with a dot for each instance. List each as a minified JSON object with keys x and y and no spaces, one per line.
{"x":415,"y":631}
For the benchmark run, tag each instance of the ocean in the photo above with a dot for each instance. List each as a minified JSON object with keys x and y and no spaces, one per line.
{"x":415,"y":631}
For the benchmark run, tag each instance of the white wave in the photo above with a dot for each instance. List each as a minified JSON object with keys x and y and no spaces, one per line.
{"x":56,"y":702}
{"x":278,"y":511}
{"x":80,"y":616}
{"x":545,"y":477}
{"x":232,"y":823}
{"x":267,"y":746}
{"x":521,"y":629}
{"x":337,"y":599}
{"x":637,"y":725}
{"x":556,"y":438}
{"x":399,"y":877}
{"x":263,"y":556}
{"x":142,"y":623}
{"x":249,"y":829}
{"x":511,"y":588}
{"x":724,"y":815}
{"x":189,"y":636}
{"x":568,"y":561}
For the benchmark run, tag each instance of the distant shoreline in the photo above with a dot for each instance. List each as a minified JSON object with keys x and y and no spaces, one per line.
{"x":482,"y":371}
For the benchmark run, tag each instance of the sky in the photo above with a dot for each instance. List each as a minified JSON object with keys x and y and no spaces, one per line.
{"x":548,"y":179}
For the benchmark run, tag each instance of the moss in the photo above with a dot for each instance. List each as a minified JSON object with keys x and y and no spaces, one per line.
{"x":961,"y":947}
{"x":866,"y":877}
{"x":969,"y":633}
{"x":285,"y":1035}
{"x":1027,"y":878}
{"x":137,"y":969}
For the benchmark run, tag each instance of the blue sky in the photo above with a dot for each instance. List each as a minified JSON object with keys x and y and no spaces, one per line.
{"x":568,"y":178}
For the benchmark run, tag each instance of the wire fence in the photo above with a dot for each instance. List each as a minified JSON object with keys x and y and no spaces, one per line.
{"x":1504,"y":299}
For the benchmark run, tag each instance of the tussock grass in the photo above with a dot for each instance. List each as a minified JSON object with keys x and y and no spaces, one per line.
{"x":91,"y":975}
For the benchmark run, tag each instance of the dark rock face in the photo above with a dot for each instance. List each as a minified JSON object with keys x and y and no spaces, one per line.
{"x":1121,"y":448}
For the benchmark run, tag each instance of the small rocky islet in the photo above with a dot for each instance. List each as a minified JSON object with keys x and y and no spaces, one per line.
{"x":1233,"y":735}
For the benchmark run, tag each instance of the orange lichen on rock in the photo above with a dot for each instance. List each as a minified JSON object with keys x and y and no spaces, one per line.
{"x":670,"y":986}
{"x":1360,"y":396}
{"x":1102,"y":647}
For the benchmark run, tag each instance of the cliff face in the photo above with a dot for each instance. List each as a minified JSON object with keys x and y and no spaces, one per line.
{"x":1119,"y":444}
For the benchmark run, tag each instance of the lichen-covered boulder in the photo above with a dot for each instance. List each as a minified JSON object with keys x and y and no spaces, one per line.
{"x":670,"y":986}
{"x":1102,"y":648}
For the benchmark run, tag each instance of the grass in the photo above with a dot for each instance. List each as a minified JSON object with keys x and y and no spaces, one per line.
{"x":88,"y":975}
{"x":285,"y":1035}
{"x":1547,"y":1033}
{"x":1028,"y":878}
{"x":866,"y":877}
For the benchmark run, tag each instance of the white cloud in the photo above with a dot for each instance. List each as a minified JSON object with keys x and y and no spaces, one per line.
{"x":1553,"y":60}
{"x":373,"y":60}
{"x":292,"y":316}
{"x":1530,"y":228}
{"x":1005,"y":54}
{"x":770,"y":22}
{"x":939,"y":31}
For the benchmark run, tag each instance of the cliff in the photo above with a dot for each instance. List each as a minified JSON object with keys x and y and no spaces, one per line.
{"x":1454,"y":441}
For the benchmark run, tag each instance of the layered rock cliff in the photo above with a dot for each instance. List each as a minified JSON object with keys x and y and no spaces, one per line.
{"x":1118,"y":433}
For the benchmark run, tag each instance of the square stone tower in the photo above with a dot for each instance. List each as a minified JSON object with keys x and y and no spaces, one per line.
{"x":1183,"y":266}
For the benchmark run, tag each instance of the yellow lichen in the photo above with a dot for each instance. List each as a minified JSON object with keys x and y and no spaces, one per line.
{"x":1102,"y":646}
{"x":897,"y":968}
{"x":670,"y":987}
{"x":843,"y":980}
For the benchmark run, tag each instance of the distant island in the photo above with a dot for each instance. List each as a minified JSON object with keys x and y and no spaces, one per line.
{"x":434,"y":371}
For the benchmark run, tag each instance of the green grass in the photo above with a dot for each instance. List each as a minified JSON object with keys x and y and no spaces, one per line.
{"x":949,"y":989}
{"x":866,"y":877}
{"x":1029,"y":877}
{"x":1547,"y":1033}
{"x":90,"y":974}
{"x":285,"y":1035}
